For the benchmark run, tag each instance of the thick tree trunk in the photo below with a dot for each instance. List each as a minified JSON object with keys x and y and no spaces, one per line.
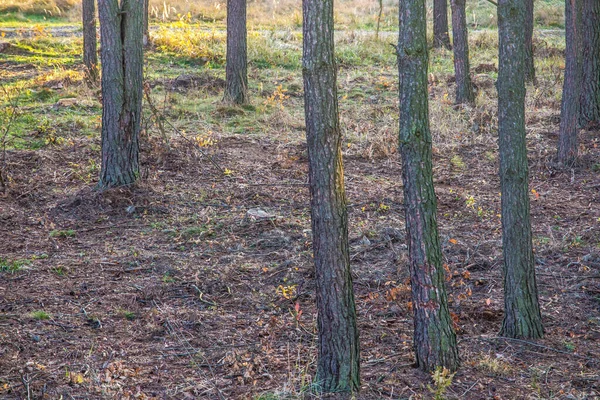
{"x":570,"y":105}
{"x":90,"y":56}
{"x":590,"y":88}
{"x":121,"y":37}
{"x":434,"y":338}
{"x":529,"y":58}
{"x":522,"y":317}
{"x":460,"y":36}
{"x":338,"y":361}
{"x":440,"y":24}
{"x":237,"y":58}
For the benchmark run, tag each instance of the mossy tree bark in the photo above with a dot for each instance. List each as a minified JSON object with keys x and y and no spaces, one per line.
{"x":236,"y":69}
{"x":440,"y":24}
{"x":90,"y":55}
{"x":121,"y":29}
{"x":571,"y":96}
{"x":434,"y":337}
{"x":529,"y":58}
{"x":590,"y":88}
{"x":522,"y":317}
{"x":460,"y":38}
{"x":338,"y":358}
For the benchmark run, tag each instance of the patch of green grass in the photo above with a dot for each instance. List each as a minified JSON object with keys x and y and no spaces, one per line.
{"x":168,"y":278}
{"x":40,"y":315}
{"x":13,"y":266}
{"x":63,"y":233}
{"x":128,"y":315}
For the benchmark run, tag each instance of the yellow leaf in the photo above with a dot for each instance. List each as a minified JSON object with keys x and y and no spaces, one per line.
{"x":453,"y":241}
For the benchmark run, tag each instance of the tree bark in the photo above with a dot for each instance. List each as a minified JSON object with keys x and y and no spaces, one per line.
{"x":121,"y":29}
{"x":529,"y":57}
{"x":440,"y":24}
{"x":434,"y":337}
{"x":146,"y":22}
{"x":570,"y":105}
{"x":237,"y":58}
{"x":90,"y":56}
{"x":460,"y":36}
{"x":522,"y":317}
{"x":590,"y":88}
{"x":338,"y":360}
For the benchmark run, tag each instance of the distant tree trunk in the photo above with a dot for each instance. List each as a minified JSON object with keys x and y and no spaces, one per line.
{"x":434,"y":337}
{"x":237,"y":59}
{"x":379,"y":15}
{"x":570,"y":105}
{"x":338,"y":361}
{"x":121,"y":30}
{"x":146,"y":22}
{"x":90,"y":56}
{"x":522,"y":317}
{"x":590,"y":88}
{"x":529,"y":58}
{"x":460,"y":36}
{"x":440,"y":24}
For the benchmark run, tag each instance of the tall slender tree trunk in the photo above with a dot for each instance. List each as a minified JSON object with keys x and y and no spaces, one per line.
{"x":590,"y":88}
{"x":522,"y":317}
{"x":570,"y":105}
{"x":237,"y":56}
{"x":440,"y":24}
{"x":460,"y":37}
{"x":434,"y":338}
{"x":121,"y":29}
{"x":146,"y":22}
{"x":529,"y":57}
{"x":90,"y":56}
{"x":338,"y":361}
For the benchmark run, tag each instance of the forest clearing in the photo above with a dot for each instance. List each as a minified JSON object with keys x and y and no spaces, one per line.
{"x":198,"y":281}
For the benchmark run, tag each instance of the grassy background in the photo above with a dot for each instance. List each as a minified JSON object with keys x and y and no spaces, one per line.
{"x":356,"y":14}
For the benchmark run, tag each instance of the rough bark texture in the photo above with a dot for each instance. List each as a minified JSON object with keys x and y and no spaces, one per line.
{"x":90,"y":56}
{"x":440,"y":24}
{"x":522,"y":317}
{"x":121,"y":29}
{"x":237,"y":58}
{"x":570,"y":105}
{"x":590,"y":88}
{"x":529,"y":59}
{"x":338,"y":361}
{"x":434,"y":338}
{"x":460,"y":37}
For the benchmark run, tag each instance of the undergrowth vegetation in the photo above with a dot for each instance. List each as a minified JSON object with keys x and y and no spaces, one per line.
{"x":349,"y":14}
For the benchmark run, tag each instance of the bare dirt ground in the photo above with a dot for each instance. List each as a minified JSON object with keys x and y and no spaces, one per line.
{"x":171,"y":290}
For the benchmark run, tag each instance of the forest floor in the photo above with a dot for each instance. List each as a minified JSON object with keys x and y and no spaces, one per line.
{"x":198,"y":282}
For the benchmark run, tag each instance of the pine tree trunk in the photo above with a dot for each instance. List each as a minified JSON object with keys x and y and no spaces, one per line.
{"x":529,"y":57}
{"x":90,"y":56}
{"x":460,"y":36}
{"x":434,"y":337}
{"x":338,"y":360}
{"x":570,"y":105}
{"x":146,"y":23}
{"x":440,"y":24}
{"x":236,"y":59}
{"x":121,"y":31}
{"x":522,"y":317}
{"x":590,"y":88}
